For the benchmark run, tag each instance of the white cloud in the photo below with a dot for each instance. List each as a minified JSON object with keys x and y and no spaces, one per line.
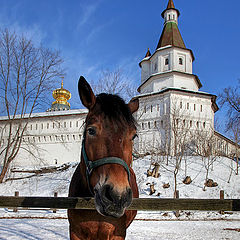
{"x":87,"y":12}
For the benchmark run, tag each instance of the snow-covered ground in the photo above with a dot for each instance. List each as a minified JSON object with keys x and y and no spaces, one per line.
{"x":33,"y":229}
{"x":157,"y":225}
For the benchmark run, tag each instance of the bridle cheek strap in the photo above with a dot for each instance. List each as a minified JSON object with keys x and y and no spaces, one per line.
{"x":90,"y":165}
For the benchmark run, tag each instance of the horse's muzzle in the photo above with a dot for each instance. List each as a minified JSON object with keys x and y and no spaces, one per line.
{"x":110,"y":202}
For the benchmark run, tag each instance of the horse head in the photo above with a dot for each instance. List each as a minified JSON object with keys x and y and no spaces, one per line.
{"x":107,"y":149}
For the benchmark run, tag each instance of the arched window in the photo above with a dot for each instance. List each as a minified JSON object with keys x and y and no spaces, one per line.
{"x":161,"y":123}
{"x":180,"y":61}
{"x":181,"y":105}
{"x":149,"y":125}
{"x":145,"y":109}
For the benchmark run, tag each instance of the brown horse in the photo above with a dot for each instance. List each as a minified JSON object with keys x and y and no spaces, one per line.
{"x":104,"y":171}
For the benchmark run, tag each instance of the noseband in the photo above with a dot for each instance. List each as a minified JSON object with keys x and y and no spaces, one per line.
{"x":90,"y":165}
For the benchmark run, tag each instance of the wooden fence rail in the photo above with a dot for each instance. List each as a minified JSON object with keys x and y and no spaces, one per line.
{"x":143,"y":204}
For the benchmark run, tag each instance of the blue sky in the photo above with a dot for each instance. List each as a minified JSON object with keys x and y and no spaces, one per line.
{"x":96,"y":35}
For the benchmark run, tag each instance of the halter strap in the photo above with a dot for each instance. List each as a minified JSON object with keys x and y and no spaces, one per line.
{"x":90,"y":165}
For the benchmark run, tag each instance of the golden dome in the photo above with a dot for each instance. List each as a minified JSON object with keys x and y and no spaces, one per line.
{"x":61,"y":96}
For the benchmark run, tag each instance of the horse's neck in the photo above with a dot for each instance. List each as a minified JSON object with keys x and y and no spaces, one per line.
{"x":79,"y":186}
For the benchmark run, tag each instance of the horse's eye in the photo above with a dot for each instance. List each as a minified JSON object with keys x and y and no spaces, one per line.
{"x":134,"y":137}
{"x":91,"y":131}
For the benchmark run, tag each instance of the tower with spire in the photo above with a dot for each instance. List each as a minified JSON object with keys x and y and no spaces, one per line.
{"x":171,"y":63}
{"x":168,"y":83}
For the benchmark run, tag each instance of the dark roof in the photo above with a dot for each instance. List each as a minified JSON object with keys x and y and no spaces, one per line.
{"x":171,"y":36}
{"x":148,"y":54}
{"x":170,"y":4}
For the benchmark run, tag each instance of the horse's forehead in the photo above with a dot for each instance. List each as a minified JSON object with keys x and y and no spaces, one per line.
{"x":109,"y":124}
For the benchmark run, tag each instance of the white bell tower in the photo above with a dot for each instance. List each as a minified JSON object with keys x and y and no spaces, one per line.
{"x":170,"y":66}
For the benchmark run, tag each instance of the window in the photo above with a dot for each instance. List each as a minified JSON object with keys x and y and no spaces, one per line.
{"x":197,"y":124}
{"x":42,"y":125}
{"x":204,"y":124}
{"x":169,"y":17}
{"x":151,"y":108}
{"x":157,"y":107}
{"x":194,"y":107}
{"x":36,"y":126}
{"x":191,"y":123}
{"x":201,"y":108}
{"x":145,"y":109}
{"x":149,"y":125}
{"x":180,"y":61}
{"x":161,"y":123}
{"x":70,"y":124}
{"x":181,"y":105}
{"x":187,"y":105}
{"x":64,"y":124}
{"x":155,"y":124}
{"x":47,"y":125}
{"x":166,"y":61}
{"x":142,"y":125}
{"x":155,"y":67}
{"x":76,"y":123}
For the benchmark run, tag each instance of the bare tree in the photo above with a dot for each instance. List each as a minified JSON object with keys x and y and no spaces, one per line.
{"x":230,"y":97}
{"x":180,"y":137}
{"x":114,"y":82}
{"x":27,"y":73}
{"x":205,"y":146}
{"x":235,"y":130}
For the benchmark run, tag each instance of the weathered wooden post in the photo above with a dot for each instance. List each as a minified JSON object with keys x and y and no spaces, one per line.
{"x":222,"y":198}
{"x":55,"y":195}
{"x":16,"y":194}
{"x":177,"y":213}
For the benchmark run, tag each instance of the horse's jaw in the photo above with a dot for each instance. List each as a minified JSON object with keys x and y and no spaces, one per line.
{"x":110,"y":203}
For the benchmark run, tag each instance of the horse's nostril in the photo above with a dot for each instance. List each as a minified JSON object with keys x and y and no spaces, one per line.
{"x":129,"y":193}
{"x":107,"y":193}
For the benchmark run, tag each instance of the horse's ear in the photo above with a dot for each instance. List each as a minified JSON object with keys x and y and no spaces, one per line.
{"x":133,"y":105}
{"x":86,"y":94}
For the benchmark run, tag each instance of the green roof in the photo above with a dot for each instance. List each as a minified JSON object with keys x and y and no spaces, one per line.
{"x":171,"y":36}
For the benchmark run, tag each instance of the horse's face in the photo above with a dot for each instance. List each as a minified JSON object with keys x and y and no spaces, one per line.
{"x":109,"y":134}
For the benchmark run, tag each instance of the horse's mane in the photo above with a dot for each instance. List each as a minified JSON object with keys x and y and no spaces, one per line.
{"x":115,"y":108}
